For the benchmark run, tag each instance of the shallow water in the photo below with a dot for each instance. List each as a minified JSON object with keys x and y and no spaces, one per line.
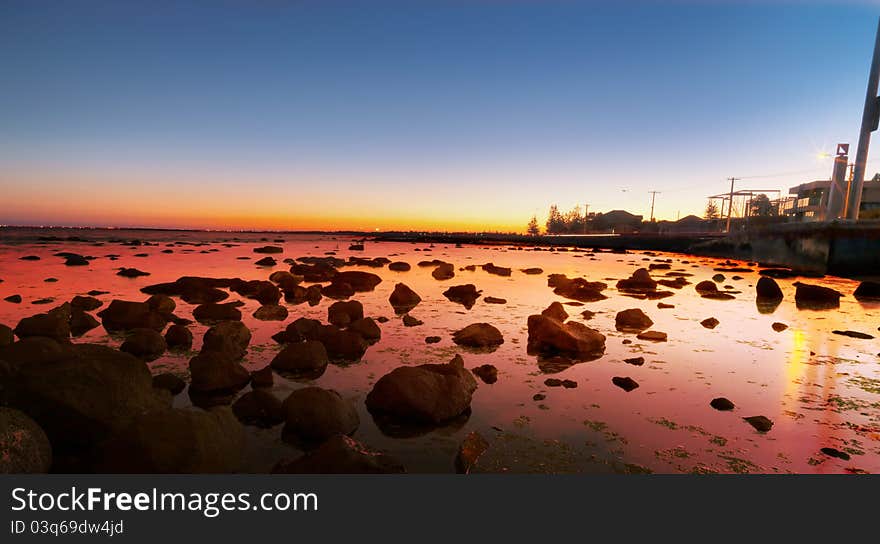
{"x":820,"y":389}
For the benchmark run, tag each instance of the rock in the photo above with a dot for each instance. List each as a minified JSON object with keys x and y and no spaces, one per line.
{"x":403,"y":299}
{"x":313,"y":415}
{"x":360,"y":281}
{"x":263,"y":291}
{"x":342,"y":314}
{"x":216,"y":373}
{"x":266,"y":261}
{"x":81,"y":323}
{"x":341,"y":455}
{"x":429,"y":394}
{"x":269,"y":249}
{"x":494,"y":300}
{"x":632,"y":320}
{"x":53,"y":324}
{"x":314,"y":273}
{"x":432,"y":339}
{"x":466,"y":295}
{"x":779,"y":327}
{"x":469,"y":452}
{"x":213,"y":312}
{"x":86,"y":304}
{"x":588,"y":314}
{"x":15,"y":299}
{"x":341,"y":345}
{"x":722,"y":404}
{"x":664,"y":306}
{"x":640,"y":280}
{"x":7,"y":337}
{"x":718,"y":278}
{"x":399,"y":266}
{"x":123,"y":315}
{"x":553,"y":382}
{"x":579,"y":289}
{"x":367,"y":328}
{"x":487,"y":373}
{"x":176,"y":441}
{"x":497,"y":270}
{"x":709,"y":323}
{"x":760,"y":423}
{"x":627,"y":383}
{"x":867,"y":290}
{"x":169,"y":382}
{"x":410,"y":321}
{"x":550,"y":337}
{"x":271,"y":312}
{"x":539,"y":397}
{"x":285,"y":280}
{"x":637,"y":361}
{"x":706,"y":287}
{"x":24,"y":447}
{"x":145,"y":344}
{"x":29,"y":258}
{"x":532,"y":271}
{"x":193,"y":290}
{"x":262,"y":378}
{"x":303,"y":359}
{"x":768,"y":290}
{"x":75,"y":260}
{"x":259,"y":408}
{"x":80,"y":394}
{"x":444,"y":271}
{"x":569,"y":384}
{"x":653,"y":336}
{"x":854,"y":334}
{"x":230,"y":338}
{"x":478,"y":335}
{"x":556,"y":311}
{"x":178,"y":337}
{"x":338,"y":290}
{"x":815,"y":297}
{"x":131,"y":273}
{"x":832,"y":452}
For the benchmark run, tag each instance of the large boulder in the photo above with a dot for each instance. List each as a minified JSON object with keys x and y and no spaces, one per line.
{"x":367,"y":328}
{"x":341,"y":454}
{"x":478,"y":335}
{"x":768,"y":290}
{"x":816,"y":297}
{"x":215,"y":373}
{"x":307,"y":359}
{"x":174,"y":441}
{"x":312,"y":415}
{"x":639,"y":281}
{"x":403,"y":299}
{"x":424,"y":394}
{"x":145,"y":344}
{"x":359,"y":280}
{"x":230,"y":338}
{"x":867,"y":290}
{"x":580,"y":289}
{"x":79,"y":394}
{"x":548,"y":336}
{"x":85,"y":303}
{"x":260,"y":408}
{"x":24,"y":447}
{"x":178,"y":337}
{"x":53,"y":324}
{"x":82,"y":322}
{"x":632,"y":320}
{"x":263,"y":291}
{"x":466,"y":295}
{"x":124,"y":315}
{"x":212,"y":312}
{"x":341,"y":345}
{"x":342,"y":314}
{"x":7,"y":337}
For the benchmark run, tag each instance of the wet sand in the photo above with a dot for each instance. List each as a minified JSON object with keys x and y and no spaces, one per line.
{"x":820,"y":390}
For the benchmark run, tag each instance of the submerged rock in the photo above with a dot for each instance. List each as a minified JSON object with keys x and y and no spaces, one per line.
{"x":313,"y":415}
{"x":271,"y":312}
{"x":710,"y":323}
{"x":548,"y":336}
{"x":469,"y":451}
{"x":399,"y":266}
{"x":24,"y":446}
{"x":478,"y":335}
{"x":626,"y":383}
{"x":145,"y":344}
{"x":341,"y":455}
{"x":216,"y":373}
{"x":302,"y":359}
{"x":403,"y":299}
{"x":444,"y":271}
{"x":178,"y":337}
{"x":488,"y":373}
{"x":466,"y":295}
{"x":429,"y":393}
{"x":213,"y":312}
{"x":722,"y":404}
{"x":761,"y":423}
{"x":816,"y":297}
{"x":342,"y":314}
{"x":632,"y":320}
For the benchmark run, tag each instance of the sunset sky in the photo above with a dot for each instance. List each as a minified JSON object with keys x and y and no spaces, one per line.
{"x":442,"y":115}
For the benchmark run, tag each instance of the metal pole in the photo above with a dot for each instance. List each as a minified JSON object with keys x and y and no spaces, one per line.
{"x":653,"y":195}
{"x":730,"y":204}
{"x":869,"y":124}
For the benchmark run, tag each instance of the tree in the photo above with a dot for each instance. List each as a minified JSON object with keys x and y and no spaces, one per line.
{"x":712,"y":210}
{"x":533,"y":229}
{"x":555,"y":221}
{"x":762,"y":207}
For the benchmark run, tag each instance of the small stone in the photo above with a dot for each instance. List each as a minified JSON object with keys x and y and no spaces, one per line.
{"x":410,"y":321}
{"x":553,"y":382}
{"x":653,"y":336}
{"x":779,"y":327}
{"x":721,"y":403}
{"x":832,"y":452}
{"x":487,"y":373}
{"x":627,"y":383}
{"x":432,"y":339}
{"x":638,"y":361}
{"x":760,"y":423}
{"x":710,"y":323}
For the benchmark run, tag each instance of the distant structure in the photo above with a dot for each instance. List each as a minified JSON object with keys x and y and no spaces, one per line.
{"x":810,"y":201}
{"x":616,"y":221}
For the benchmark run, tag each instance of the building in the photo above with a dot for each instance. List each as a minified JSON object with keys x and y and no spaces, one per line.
{"x":807,"y":201}
{"x":616,"y":221}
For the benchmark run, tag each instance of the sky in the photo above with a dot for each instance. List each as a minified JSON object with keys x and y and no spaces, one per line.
{"x":415,"y":115}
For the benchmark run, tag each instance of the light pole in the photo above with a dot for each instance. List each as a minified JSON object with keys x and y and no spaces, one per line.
{"x":870,"y":117}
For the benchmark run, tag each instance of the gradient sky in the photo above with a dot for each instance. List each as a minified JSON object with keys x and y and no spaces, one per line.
{"x":447,"y":115}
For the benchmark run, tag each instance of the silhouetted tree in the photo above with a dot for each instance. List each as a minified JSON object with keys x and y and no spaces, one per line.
{"x":762,"y":207}
{"x":712,"y":210}
{"x":555,"y":221}
{"x":534,"y":229}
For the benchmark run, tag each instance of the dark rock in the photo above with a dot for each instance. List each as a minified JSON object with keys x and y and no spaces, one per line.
{"x":768,"y":290}
{"x":302,"y":359}
{"x":556,"y":311}
{"x":632,"y":320}
{"x":710,"y":322}
{"x":266,"y":261}
{"x":432,"y":339}
{"x":24,"y":447}
{"x":706,"y":287}
{"x":360,"y":281}
{"x":722,"y":404}
{"x":263,"y":377}
{"x":444,"y":271}
{"x":178,"y":337}
{"x":550,"y":337}
{"x":169,"y":382}
{"x":269,"y":249}
{"x":469,"y":451}
{"x":271,"y":312}
{"x":341,"y":455}
{"x":131,"y":273}
{"x":263,"y":291}
{"x":342,"y":345}
{"x":338,"y":290}
{"x":76,"y":260}
{"x":53,"y":324}
{"x":430,"y":393}
{"x":815,"y":297}
{"x":579,"y":289}
{"x":760,"y":423}
{"x":342,"y":314}
{"x":640,"y":280}
{"x":497,"y":270}
{"x":478,"y":335}
{"x":7,"y":337}
{"x":123,"y":315}
{"x":466,"y":295}
{"x":216,"y":373}
{"x":399,"y":266}
{"x":230,"y":338}
{"x":487,"y":373}
{"x":854,"y":334}
{"x":494,"y":300}
{"x":779,"y":327}
{"x":145,"y":344}
{"x":213,"y":312}
{"x":637,"y":361}
{"x":259,"y":408}
{"x":313,"y":415}
{"x":832,"y":452}
{"x":15,"y":299}
{"x":653,"y":336}
{"x":285,"y":280}
{"x":86,"y":304}
{"x":403,"y":299}
{"x":410,"y":321}
{"x":532,"y":271}
{"x":627,"y":383}
{"x":367,"y":328}
{"x":867,"y":290}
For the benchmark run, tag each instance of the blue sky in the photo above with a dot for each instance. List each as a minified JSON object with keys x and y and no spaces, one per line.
{"x":439,"y":113}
